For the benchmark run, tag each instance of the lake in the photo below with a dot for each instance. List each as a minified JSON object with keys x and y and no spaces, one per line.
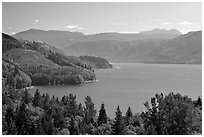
{"x":131,"y":84}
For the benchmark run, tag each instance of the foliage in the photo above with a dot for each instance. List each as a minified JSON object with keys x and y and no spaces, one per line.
{"x":89,"y":110}
{"x":171,"y":114}
{"x":24,"y":114}
{"x":119,"y":125}
{"x":102,"y":118}
{"x":37,"y":100}
{"x":97,"y":62}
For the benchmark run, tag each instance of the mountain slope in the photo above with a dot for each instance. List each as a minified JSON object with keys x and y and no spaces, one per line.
{"x":183,"y":49}
{"x":29,"y":57}
{"x":45,"y":65}
{"x":9,"y":42}
{"x":115,"y":51}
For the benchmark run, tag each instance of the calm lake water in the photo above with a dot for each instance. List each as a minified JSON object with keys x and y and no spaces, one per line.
{"x":131,"y":84}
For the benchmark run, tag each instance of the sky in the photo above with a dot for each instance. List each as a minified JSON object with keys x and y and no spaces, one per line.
{"x":91,"y":18}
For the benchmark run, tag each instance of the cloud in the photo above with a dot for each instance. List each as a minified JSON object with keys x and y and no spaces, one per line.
{"x":185,"y":23}
{"x":185,"y":31}
{"x":37,"y":20}
{"x":80,"y":28}
{"x":71,"y":27}
{"x":74,"y":27}
{"x":165,"y":23}
{"x":13,"y":33}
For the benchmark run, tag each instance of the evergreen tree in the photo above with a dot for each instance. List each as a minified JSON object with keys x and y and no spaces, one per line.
{"x":72,"y":105}
{"x":45,"y":101}
{"x":39,"y":128}
{"x":64,"y":100}
{"x":37,"y":99}
{"x":58,"y":118}
{"x":73,"y":127}
{"x":57,"y":100}
{"x":128,"y":116}
{"x":23,"y":121}
{"x":47,"y":123}
{"x":102,"y":118}
{"x":198,"y":102}
{"x":10,"y":121}
{"x":26,"y":98}
{"x":90,"y":112}
{"x":119,"y":126}
{"x":80,"y":110}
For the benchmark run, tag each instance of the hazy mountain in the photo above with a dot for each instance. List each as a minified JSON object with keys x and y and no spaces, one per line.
{"x":162,"y":31}
{"x":61,"y":39}
{"x":154,"y":46}
{"x":114,"y":51}
{"x":52,"y":37}
{"x":182,"y":49}
{"x":152,"y":34}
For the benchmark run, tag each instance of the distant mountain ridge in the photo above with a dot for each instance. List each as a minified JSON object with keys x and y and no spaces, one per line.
{"x":154,"y":46}
{"x":162,"y":31}
{"x":61,"y":39}
{"x":185,"y":49}
{"x":52,"y":37}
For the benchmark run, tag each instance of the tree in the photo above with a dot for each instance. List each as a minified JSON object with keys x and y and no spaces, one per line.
{"x":90,"y":112}
{"x":103,"y":129}
{"x":39,"y":128}
{"x":73,"y":129}
{"x":119,"y":125}
{"x":26,"y":97}
{"x":80,"y":110}
{"x":47,"y":122}
{"x":58,"y":118}
{"x":45,"y":101}
{"x":23,"y":121}
{"x":102,"y":118}
{"x":37,"y":99}
{"x":10,"y":121}
{"x":64,"y":100}
{"x":72,"y":105}
{"x":128,"y":116}
{"x":198,"y":102}
{"x":172,"y":115}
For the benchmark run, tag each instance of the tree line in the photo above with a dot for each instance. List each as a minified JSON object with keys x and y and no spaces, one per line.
{"x":24,"y":114}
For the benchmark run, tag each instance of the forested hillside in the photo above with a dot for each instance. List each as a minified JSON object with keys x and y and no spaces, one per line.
{"x":44,"y":64}
{"x":97,"y":62}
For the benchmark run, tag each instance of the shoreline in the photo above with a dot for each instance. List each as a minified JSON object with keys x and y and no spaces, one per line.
{"x":155,"y":63}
